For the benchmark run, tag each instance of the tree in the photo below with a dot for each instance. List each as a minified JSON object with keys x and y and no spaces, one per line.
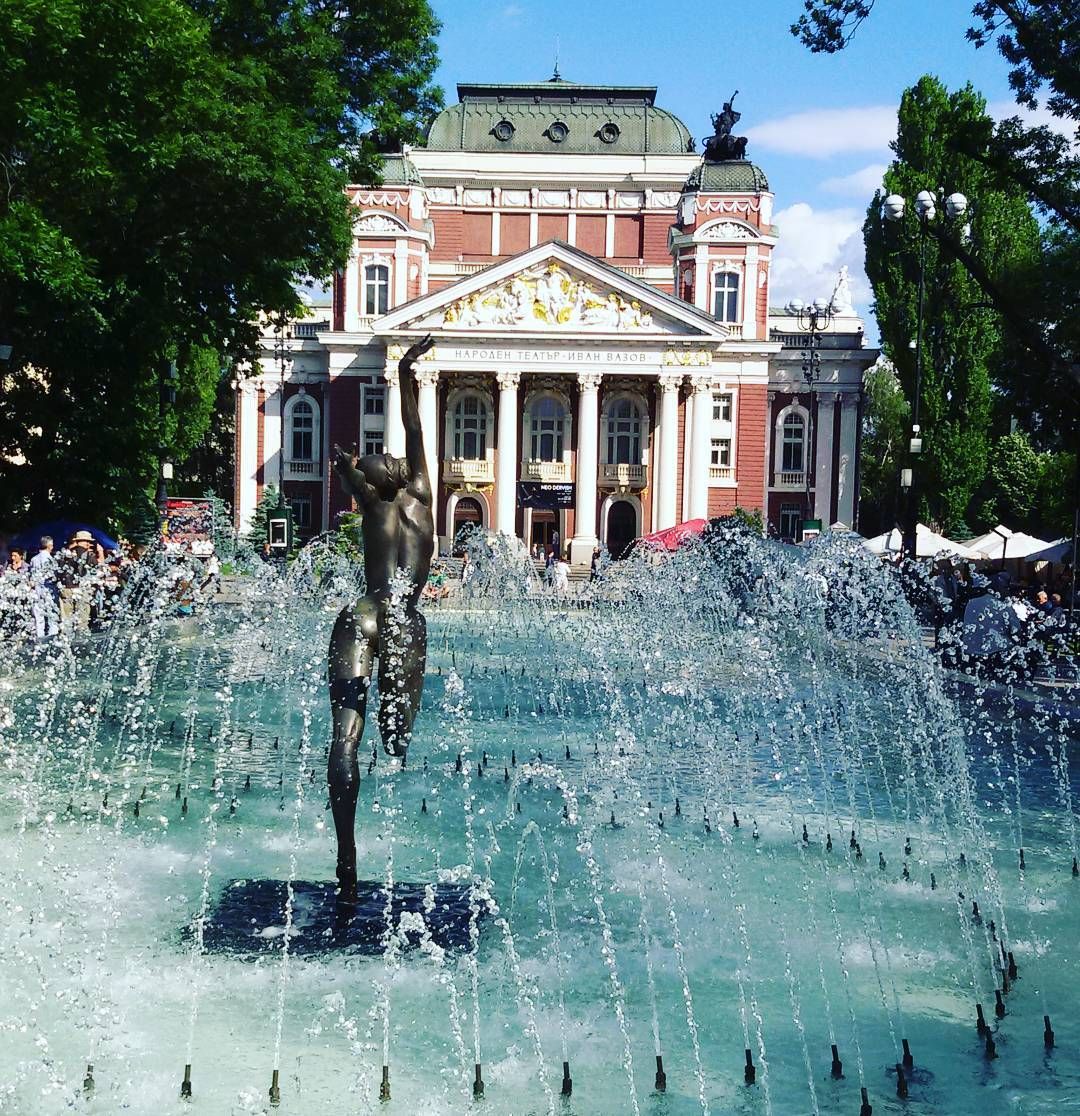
{"x":962,"y":342}
{"x":1016,"y":475}
{"x":168,"y":170}
{"x":257,"y":529}
{"x":886,"y":420}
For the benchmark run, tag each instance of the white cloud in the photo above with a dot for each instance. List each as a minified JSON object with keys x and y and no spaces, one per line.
{"x":814,"y":244}
{"x":822,"y":133}
{"x":860,"y":184}
{"x":1002,"y":110}
{"x":512,"y":12}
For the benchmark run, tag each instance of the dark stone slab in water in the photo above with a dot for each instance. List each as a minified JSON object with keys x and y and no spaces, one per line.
{"x":249,"y":917}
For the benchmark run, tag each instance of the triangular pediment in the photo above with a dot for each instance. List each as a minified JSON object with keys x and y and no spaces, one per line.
{"x":551,"y":290}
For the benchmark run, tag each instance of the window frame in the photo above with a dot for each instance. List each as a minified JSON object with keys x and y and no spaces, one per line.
{"x":372,"y":286}
{"x":731,"y":292}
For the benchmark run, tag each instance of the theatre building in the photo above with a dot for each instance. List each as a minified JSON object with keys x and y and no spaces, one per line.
{"x":605,"y":362}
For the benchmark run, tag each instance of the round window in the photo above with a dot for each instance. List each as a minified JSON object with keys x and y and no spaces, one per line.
{"x":609,"y":132}
{"x":557,"y":132}
{"x":503,"y":131}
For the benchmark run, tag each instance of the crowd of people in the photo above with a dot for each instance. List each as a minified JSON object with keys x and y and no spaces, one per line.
{"x":75,"y":585}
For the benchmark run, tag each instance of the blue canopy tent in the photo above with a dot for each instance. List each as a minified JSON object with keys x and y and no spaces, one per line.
{"x":60,"y":530}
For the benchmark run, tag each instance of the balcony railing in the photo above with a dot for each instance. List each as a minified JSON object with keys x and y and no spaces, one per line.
{"x":468,"y":470}
{"x":303,"y":470}
{"x":623,"y":476}
{"x":548,"y":471}
{"x":721,"y":472}
{"x":790,"y":479}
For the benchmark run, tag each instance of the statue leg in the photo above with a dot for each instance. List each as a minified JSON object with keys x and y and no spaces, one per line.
{"x":402,"y":656}
{"x":350,"y":661}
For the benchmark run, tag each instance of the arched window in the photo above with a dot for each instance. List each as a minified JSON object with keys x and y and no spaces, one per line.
{"x":792,"y":443}
{"x":302,"y":428}
{"x":470,"y":428}
{"x":547,"y":429}
{"x":623,"y":433}
{"x":726,"y":296}
{"x":376,"y":293}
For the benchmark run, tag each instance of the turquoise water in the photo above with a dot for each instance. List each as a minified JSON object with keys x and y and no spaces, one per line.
{"x":673,"y":698}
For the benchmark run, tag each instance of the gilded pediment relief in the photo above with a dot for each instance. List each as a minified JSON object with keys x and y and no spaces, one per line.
{"x":551,"y":297}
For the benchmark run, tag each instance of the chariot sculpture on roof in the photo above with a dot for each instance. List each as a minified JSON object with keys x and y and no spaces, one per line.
{"x":722,"y":145}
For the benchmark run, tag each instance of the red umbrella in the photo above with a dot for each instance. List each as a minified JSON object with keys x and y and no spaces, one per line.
{"x":670,"y":537}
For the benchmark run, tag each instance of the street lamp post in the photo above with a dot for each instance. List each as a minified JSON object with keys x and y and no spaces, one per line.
{"x":279,"y":523}
{"x":813,"y":318}
{"x":926,"y":211}
{"x":167,"y":377}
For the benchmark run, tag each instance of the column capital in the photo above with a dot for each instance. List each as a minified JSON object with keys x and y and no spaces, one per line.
{"x":589,"y":381}
{"x":508,"y":380}
{"x":849,"y":398}
{"x":670,"y":381}
{"x":426,"y":377}
{"x":390,"y":374}
{"x":701,"y":384}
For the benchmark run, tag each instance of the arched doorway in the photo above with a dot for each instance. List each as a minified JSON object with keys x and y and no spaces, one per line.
{"x":467,"y":512}
{"x":621,"y":527}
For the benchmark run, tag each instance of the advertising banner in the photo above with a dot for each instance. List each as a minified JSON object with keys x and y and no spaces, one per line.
{"x":538,"y":494}
{"x":189,"y":523}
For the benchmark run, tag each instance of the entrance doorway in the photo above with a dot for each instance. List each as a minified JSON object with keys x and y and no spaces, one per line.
{"x":467,"y":512}
{"x":621,"y":527}
{"x":544,"y":525}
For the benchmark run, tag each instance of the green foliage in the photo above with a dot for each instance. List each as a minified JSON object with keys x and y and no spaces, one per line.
{"x":1057,"y":496}
{"x":1015,"y":472}
{"x":168,"y":170}
{"x":348,"y":539}
{"x":886,"y":421}
{"x":257,"y":529}
{"x":963,"y":342}
{"x":223,"y":534}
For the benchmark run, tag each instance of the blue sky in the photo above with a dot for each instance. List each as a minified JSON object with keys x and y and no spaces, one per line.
{"x":819,"y":125}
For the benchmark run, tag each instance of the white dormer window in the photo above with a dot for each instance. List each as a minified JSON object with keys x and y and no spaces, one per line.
{"x":726,"y":296}
{"x":375,"y":297}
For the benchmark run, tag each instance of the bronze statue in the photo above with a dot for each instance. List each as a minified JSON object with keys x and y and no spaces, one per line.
{"x":722,"y":145}
{"x":394,"y":496}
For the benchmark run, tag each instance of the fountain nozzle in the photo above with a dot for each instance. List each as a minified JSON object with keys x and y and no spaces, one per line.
{"x":275,"y":1090}
{"x":907,"y":846}
{"x":185,"y":1085}
{"x":865,"y":1108}
{"x":901,"y":1082}
{"x":1048,"y":1033}
{"x":478,"y":1084}
{"x":661,"y":1077}
{"x":1022,"y":865}
{"x":734,"y":819}
{"x":1013,"y":971}
{"x":828,"y":842}
{"x":852,"y":843}
{"x":88,"y":1081}
{"x":837,"y":1065}
{"x":991,"y":1047}
{"x":980,"y":1020}
{"x":567,"y":1080}
{"x":1076,"y":868}
{"x":750,"y":1072}
{"x":908,"y":1060}
{"x":975,"y":915}
{"x":384,"y":1085}
{"x":805,"y":834}
{"x":423,"y":805}
{"x":999,"y":1004}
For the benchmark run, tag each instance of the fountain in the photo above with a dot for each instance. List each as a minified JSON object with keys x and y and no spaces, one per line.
{"x":654,"y":908}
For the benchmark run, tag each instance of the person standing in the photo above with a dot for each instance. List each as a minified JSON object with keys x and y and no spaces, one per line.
{"x":45,"y":603}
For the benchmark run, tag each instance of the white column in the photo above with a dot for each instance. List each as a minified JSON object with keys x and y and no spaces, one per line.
{"x":427,"y":402}
{"x":395,"y":431}
{"x":749,"y":319}
{"x":666,"y":482}
{"x":272,"y":431}
{"x":588,"y":461}
{"x":401,"y":273}
{"x":699,"y":449}
{"x":506,"y":462}
{"x":247,"y":426}
{"x":826,"y":409}
{"x":352,"y":293}
{"x":689,"y":413}
{"x":845,"y":482}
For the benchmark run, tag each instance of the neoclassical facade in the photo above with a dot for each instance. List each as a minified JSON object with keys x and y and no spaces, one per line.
{"x":605,"y":361}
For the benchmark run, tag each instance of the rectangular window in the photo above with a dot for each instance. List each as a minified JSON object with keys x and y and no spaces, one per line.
{"x":376,"y":298}
{"x":720,"y":452}
{"x":373,"y":442}
{"x":374,"y":399}
{"x":790,"y":521}
{"x":301,"y":509}
{"x":726,"y":296}
{"x":721,"y":407}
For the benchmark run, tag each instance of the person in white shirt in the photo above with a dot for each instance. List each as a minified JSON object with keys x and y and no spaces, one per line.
{"x":45,"y":605}
{"x":562,"y":576}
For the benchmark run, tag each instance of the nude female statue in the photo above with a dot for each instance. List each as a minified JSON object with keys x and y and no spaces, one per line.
{"x":394,"y":496}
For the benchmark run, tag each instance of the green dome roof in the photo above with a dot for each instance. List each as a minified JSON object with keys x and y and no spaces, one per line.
{"x":398,"y":170}
{"x":559,"y":117}
{"x":733,"y":174}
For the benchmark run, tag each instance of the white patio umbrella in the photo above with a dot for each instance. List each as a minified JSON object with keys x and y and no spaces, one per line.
{"x":928,"y":544}
{"x":1060,"y":551}
{"x":1001,"y":543}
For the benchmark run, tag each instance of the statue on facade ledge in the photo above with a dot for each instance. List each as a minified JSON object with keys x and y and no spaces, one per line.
{"x":722,"y":146}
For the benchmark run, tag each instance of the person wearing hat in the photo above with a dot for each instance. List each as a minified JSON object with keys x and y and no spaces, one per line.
{"x":77,"y":563}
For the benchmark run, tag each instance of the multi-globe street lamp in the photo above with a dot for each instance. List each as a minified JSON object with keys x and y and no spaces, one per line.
{"x":813,"y":318}
{"x":956,"y":205}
